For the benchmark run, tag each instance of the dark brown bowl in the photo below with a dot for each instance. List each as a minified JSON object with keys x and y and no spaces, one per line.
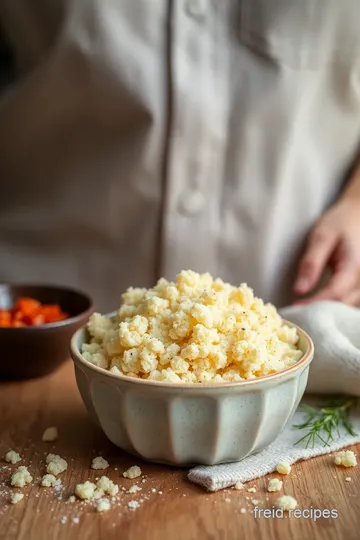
{"x":34,"y":351}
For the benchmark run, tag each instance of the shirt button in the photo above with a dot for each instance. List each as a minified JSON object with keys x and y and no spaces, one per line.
{"x":192,"y":203}
{"x":195,"y":8}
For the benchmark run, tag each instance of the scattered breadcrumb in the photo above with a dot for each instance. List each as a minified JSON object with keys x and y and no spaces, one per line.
{"x":12,"y":457}
{"x":243,"y":511}
{"x":107,"y":486}
{"x":98,"y":494}
{"x":64,"y":520}
{"x":103,"y":505}
{"x":286,"y":502}
{"x":55,"y":464}
{"x":274,"y":485}
{"x":133,"y":505}
{"x":254,"y":501}
{"x":76,"y":519}
{"x":134,"y":489}
{"x":72,"y":499}
{"x":252,"y":489}
{"x":85,"y":491}
{"x":239,"y":486}
{"x":99,"y":463}
{"x":21,"y":477}
{"x":48,"y":480}
{"x":50,"y":434}
{"x":345,"y":458}
{"x":16,"y":497}
{"x":348,"y":479}
{"x":132,"y":472}
{"x":284,"y":468}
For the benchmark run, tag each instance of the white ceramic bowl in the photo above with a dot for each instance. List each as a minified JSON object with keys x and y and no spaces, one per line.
{"x":187,"y":424}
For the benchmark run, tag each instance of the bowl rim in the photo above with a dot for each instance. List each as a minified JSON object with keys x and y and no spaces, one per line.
{"x":302,"y":363}
{"x":52,"y":325}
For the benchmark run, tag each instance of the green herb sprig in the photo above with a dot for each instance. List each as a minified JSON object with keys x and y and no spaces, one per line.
{"x":324,"y":423}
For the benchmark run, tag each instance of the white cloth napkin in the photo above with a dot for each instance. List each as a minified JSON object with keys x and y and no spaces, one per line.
{"x":335,"y":330}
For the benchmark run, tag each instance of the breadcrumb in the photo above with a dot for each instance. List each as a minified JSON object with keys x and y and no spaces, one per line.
{"x":99,"y":463}
{"x":85,"y":491}
{"x":107,"y":486}
{"x":103,"y":505}
{"x":134,"y":489}
{"x":48,"y":480}
{"x":132,"y":472}
{"x":55,"y":464}
{"x":12,"y":457}
{"x":21,"y":477}
{"x":274,"y":485}
{"x":98,"y":494}
{"x":286,"y":502}
{"x":345,"y":458}
{"x":16,"y":497}
{"x":283,"y":468}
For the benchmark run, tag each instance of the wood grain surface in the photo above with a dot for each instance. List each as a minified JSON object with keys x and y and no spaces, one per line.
{"x":172,"y":508}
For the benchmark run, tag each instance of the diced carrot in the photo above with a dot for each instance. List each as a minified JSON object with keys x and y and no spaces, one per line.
{"x":18,"y":316}
{"x":38,"y":319}
{"x":5,"y":315}
{"x":51,"y":312}
{"x":27,"y":306}
{"x":18,"y":324}
{"x":30,"y":312}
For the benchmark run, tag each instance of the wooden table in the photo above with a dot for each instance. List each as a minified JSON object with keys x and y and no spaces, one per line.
{"x":172,"y":508}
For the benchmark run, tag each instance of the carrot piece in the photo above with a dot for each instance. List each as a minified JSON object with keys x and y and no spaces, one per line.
{"x":30,"y":312}
{"x":27,"y":306}
{"x":53,"y":313}
{"x":5,"y":315}
{"x":38,"y":319}
{"x":18,"y":316}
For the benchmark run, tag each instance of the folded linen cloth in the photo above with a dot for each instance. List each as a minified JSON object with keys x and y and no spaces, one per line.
{"x":335,"y":330}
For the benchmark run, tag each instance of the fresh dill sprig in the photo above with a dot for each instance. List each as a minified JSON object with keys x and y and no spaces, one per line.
{"x":324,"y":423}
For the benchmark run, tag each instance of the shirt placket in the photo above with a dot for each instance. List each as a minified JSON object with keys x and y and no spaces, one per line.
{"x":198,"y":131}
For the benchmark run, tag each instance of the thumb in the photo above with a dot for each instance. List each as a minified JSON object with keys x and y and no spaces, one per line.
{"x":320,"y":247}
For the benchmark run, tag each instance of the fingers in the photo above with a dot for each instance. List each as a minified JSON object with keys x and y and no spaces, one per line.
{"x":321,"y":244}
{"x":344,"y":279}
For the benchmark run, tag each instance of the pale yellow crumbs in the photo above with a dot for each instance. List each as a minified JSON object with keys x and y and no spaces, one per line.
{"x":195,"y":330}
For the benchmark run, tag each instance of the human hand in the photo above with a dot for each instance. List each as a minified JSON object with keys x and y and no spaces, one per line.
{"x":335,"y":243}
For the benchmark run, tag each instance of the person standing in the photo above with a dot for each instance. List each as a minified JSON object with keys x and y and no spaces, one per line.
{"x":141,"y":138}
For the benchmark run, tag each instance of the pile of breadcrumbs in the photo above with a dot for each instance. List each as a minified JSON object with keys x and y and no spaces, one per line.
{"x":195,"y":330}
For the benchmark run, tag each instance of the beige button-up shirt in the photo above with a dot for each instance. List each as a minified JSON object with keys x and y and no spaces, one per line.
{"x":143,"y":137}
